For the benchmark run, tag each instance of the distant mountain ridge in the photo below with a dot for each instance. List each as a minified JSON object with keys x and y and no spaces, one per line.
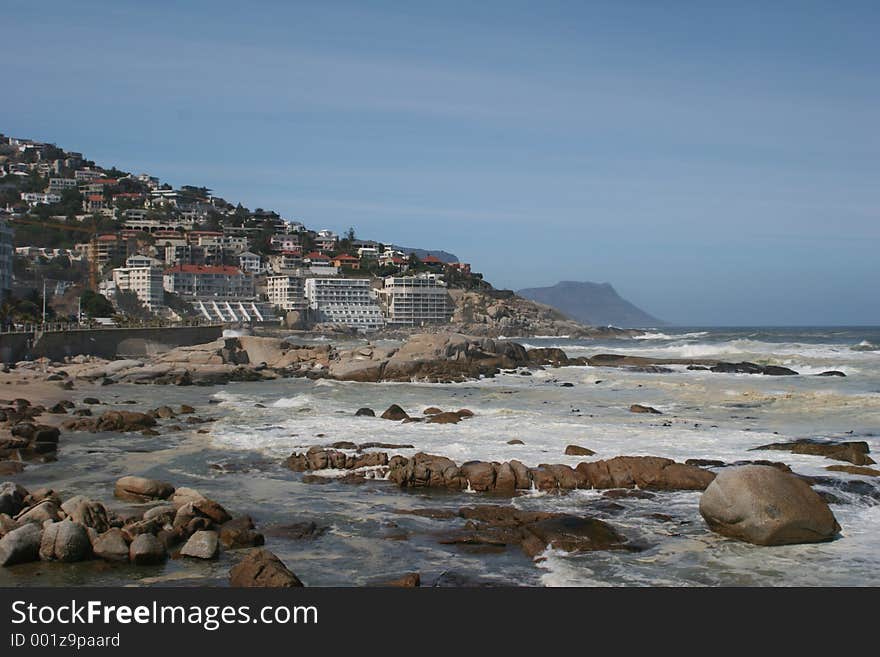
{"x":445,"y":256}
{"x":595,"y":304}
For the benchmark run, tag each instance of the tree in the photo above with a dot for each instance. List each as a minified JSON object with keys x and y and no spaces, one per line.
{"x":96,"y":305}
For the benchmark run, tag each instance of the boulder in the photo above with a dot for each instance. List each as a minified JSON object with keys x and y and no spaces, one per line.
{"x":124,"y":421}
{"x":261,"y":568}
{"x":88,"y":513}
{"x":240,"y":533}
{"x":365,"y":412}
{"x":647,"y":472}
{"x":41,"y":512}
{"x":855,"y":452}
{"x":426,"y":471}
{"x":66,"y":541}
{"x":141,"y":489}
{"x":639,"y":408}
{"x":394,"y":412}
{"x":111,"y":546}
{"x":854,"y":469}
{"x":444,"y":418}
{"x":464,"y":412}
{"x":211,"y":509}
{"x":762,"y":505}
{"x":571,"y":534}
{"x":431,"y":410}
{"x":408,"y":581}
{"x":11,"y":497}
{"x":183,"y":495}
{"x":146,"y":550}
{"x":576,"y":450}
{"x":202,"y":545}
{"x":21,"y":545}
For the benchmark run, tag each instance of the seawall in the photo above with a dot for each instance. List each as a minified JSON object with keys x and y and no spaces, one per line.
{"x":103,"y":342}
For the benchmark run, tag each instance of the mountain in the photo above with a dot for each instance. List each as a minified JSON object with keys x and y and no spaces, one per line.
{"x":445,"y":256}
{"x":596,"y":304}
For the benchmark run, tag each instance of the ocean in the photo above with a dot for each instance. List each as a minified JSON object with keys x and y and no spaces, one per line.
{"x":361,"y":537}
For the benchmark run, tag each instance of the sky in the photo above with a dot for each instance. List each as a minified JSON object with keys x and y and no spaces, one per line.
{"x":716,"y":162}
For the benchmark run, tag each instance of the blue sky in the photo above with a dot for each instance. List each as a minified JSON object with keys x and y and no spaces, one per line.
{"x":717,"y":164}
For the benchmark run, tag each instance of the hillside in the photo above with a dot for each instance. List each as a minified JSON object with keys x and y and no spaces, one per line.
{"x":596,"y":304}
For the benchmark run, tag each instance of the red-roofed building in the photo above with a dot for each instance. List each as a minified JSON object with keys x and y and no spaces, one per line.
{"x":432,"y":260}
{"x":205,"y":282}
{"x":347,"y":261}
{"x":316,"y":259}
{"x":463,"y":267}
{"x":94,"y":203}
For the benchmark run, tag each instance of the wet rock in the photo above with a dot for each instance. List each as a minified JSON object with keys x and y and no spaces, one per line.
{"x":394,"y":412}
{"x":777,"y":370}
{"x":831,"y":373}
{"x":515,"y":441}
{"x":7,"y":524}
{"x":58,"y":409}
{"x":298,"y":531}
{"x":163,"y":514}
{"x":11,"y":498}
{"x":21,"y":545}
{"x":426,"y":471}
{"x":88,"y":513}
{"x":464,"y":413}
{"x":41,"y":512}
{"x":211,"y":509}
{"x":639,"y":408}
{"x":365,"y":412}
{"x":432,"y":410}
{"x":627,"y":493}
{"x":646,"y":472}
{"x":444,"y":418}
{"x":186,"y":409}
{"x":111,"y":546}
{"x":146,"y":550}
{"x":408,"y":581}
{"x":202,"y":545}
{"x":855,"y":452}
{"x":11,"y":468}
{"x":765,"y":506}
{"x":138,"y":527}
{"x":705,"y":463}
{"x":576,"y":450}
{"x":66,"y":541}
{"x":91,"y":400}
{"x":240,"y":533}
{"x":854,"y":469}
{"x":183,"y":495}
{"x":141,"y":489}
{"x":571,"y":534}
{"x":344,"y":444}
{"x":261,"y":568}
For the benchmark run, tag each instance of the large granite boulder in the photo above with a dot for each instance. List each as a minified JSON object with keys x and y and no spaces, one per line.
{"x":261,"y":568}
{"x":65,"y":541}
{"x":141,"y":489}
{"x":21,"y":545}
{"x":763,"y":505}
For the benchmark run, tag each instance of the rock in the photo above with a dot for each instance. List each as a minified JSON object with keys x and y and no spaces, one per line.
{"x":7,"y":524}
{"x":164,"y":412}
{"x":394,"y":412}
{"x":776,"y":370}
{"x":575,"y":450}
{"x":854,"y":469}
{"x":141,"y":489}
{"x":146,"y":550}
{"x":164,"y":514}
{"x":239,"y":533}
{"x":58,"y":409}
{"x":298,"y":531}
{"x":515,"y":441}
{"x":426,"y":471}
{"x":431,"y":410}
{"x":91,"y":400}
{"x":41,"y":512}
{"x":261,"y":568}
{"x":111,"y":546}
{"x":21,"y":545}
{"x":646,"y":472}
{"x":365,"y":412}
{"x":186,"y":409}
{"x":856,"y":452}
{"x":571,"y":534}
{"x":202,"y":545}
{"x":705,"y":463}
{"x":66,"y":541}
{"x":464,"y":412}
{"x":639,"y":408}
{"x":765,"y":506}
{"x":87,"y":513}
{"x":11,"y":467}
{"x":183,"y":495}
{"x":444,"y":418}
{"x":212,"y":510}
{"x":124,"y":421}
{"x":11,"y":498}
{"x":831,"y":373}
{"x":408,"y":581}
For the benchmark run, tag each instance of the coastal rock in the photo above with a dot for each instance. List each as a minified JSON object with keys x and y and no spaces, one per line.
{"x":211,"y":509}
{"x":639,"y":408}
{"x":183,"y":495}
{"x":854,"y":469}
{"x":261,"y":568}
{"x":831,"y":373}
{"x":66,"y":541}
{"x":571,"y":534}
{"x":432,"y":410}
{"x":11,"y":497}
{"x":365,"y":412}
{"x":41,"y":512}
{"x":444,"y":418}
{"x":394,"y":412}
{"x":111,"y":546}
{"x":576,"y":450}
{"x":765,"y":506}
{"x":146,"y":550}
{"x":240,"y":533}
{"x":646,"y":472}
{"x":856,"y":452}
{"x":87,"y":512}
{"x":141,"y":489}
{"x":408,"y":581}
{"x":202,"y":545}
{"x":426,"y":471}
{"x":21,"y":545}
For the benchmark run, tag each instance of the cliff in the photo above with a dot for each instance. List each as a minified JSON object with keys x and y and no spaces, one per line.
{"x":597,"y":304}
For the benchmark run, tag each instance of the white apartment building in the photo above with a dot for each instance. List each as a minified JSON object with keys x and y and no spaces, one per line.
{"x":286,"y":292}
{"x":58,"y":185}
{"x":326,"y":240}
{"x":251,"y":263}
{"x":37,"y":198}
{"x":145,"y":282}
{"x":202,"y":282}
{"x":347,"y":301}
{"x":368,"y":252}
{"x":87,"y":175}
{"x":415,"y":300}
